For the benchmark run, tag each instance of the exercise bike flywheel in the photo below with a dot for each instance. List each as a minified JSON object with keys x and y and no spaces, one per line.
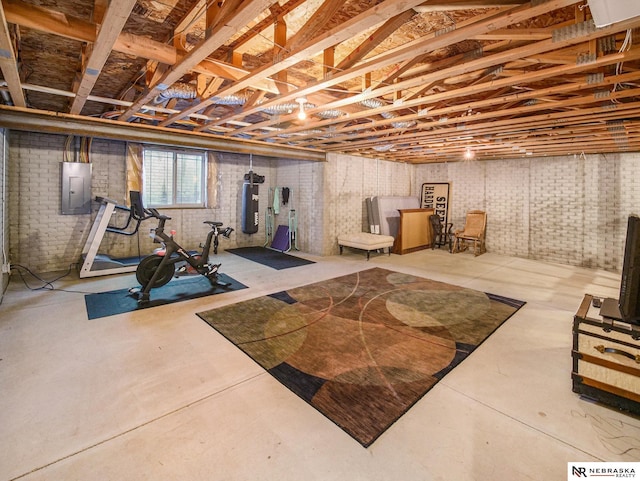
{"x":147,"y":268}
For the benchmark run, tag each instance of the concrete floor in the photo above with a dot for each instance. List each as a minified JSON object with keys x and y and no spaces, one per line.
{"x":158,"y":394}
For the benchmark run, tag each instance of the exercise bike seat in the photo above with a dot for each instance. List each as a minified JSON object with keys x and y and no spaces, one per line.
{"x":213,"y":223}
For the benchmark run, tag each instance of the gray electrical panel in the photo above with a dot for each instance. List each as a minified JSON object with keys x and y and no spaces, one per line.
{"x":76,"y":188}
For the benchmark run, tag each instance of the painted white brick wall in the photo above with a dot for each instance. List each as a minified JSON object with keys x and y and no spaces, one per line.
{"x":39,"y":237}
{"x":34,"y":199}
{"x":557,"y":208}
{"x":507,"y":198}
{"x":305,"y":182}
{"x":571,"y":210}
{"x":232,"y":169}
{"x":349,"y":180}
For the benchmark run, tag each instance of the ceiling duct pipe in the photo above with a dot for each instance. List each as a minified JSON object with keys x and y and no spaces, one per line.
{"x":6,"y":98}
{"x":374,"y":103}
{"x":178,"y":90}
{"x":286,"y":108}
{"x":230,"y":100}
{"x":181,"y":90}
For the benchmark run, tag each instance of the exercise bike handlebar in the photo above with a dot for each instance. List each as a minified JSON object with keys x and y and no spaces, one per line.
{"x":154,"y":213}
{"x":158,"y":233}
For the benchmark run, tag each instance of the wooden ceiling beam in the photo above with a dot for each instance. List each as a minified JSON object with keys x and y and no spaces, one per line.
{"x":279,"y":42}
{"x":9,"y":62}
{"x":232,"y":72}
{"x":114,"y":19}
{"x":430,"y":110}
{"x":429,"y":7}
{"x":375,"y":39}
{"x":218,"y":34}
{"x":50,"y":21}
{"x":440,"y":138}
{"x":314,"y":24}
{"x":544,"y":146}
{"x":516,"y":34}
{"x":592,"y":137}
{"x":530,"y":122}
{"x":528,"y":116}
{"x":420,"y":46}
{"x":481,"y":51}
{"x":480,"y":63}
{"x":52,"y":122}
{"x":276,"y":11}
{"x":348,"y":29}
{"x":99,"y":10}
{"x":190,"y":18}
{"x":212,"y":11}
{"x":548,"y":139}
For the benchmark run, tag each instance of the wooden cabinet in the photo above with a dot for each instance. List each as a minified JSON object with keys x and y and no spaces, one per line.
{"x":606,"y":358}
{"x":414,"y":231}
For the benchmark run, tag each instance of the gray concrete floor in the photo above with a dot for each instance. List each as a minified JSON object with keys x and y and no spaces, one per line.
{"x":158,"y":394}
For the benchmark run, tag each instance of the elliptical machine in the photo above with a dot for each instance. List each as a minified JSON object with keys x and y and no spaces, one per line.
{"x":159,"y":268}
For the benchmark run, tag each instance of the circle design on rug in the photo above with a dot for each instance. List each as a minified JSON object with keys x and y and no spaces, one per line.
{"x":430,"y":308}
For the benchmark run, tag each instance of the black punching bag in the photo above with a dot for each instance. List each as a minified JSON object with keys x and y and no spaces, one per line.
{"x":250,"y":206}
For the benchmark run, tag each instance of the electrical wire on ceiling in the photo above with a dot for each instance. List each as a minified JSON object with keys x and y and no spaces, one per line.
{"x":625,"y":47}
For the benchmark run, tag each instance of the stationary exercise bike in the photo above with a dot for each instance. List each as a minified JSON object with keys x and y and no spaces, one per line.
{"x":172,"y":259}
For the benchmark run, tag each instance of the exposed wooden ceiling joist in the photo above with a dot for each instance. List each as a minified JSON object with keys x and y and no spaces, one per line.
{"x":49,"y":122}
{"x":409,"y":81}
{"x":114,"y":19}
{"x":216,"y":36}
{"x":8,"y":63}
{"x":426,"y":43}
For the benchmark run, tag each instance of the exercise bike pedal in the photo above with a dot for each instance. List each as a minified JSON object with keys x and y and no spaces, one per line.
{"x":212,"y":269}
{"x":141,"y":296}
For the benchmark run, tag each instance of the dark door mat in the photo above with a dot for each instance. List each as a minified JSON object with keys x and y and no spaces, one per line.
{"x":270,"y":258}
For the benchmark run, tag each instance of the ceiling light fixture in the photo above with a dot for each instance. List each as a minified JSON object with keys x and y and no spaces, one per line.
{"x":468,"y":154}
{"x":301,"y":113}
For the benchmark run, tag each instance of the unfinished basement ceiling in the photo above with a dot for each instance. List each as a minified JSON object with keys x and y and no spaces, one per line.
{"x":402,"y":80}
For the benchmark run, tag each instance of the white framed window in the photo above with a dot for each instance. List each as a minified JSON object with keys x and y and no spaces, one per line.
{"x":174,"y":178}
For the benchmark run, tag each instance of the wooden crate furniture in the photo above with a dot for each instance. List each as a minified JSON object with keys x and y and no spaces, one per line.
{"x":414,"y":231}
{"x":366,"y":241}
{"x":606,"y":358}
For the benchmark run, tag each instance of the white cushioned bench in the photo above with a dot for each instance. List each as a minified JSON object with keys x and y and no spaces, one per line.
{"x":365,"y":241}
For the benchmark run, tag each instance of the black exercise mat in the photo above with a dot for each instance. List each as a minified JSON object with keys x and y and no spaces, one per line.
{"x":116,"y":302}
{"x":270,"y":258}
